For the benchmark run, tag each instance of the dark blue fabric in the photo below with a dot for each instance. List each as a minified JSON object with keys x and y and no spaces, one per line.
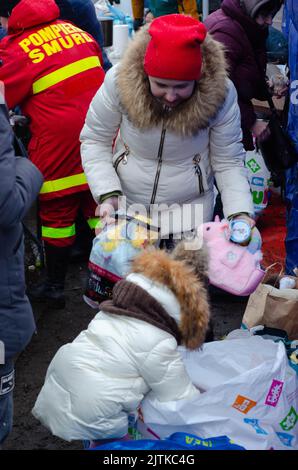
{"x":82,"y":13}
{"x":6,"y":416}
{"x":292,"y":7}
{"x":2,"y":33}
{"x":291,"y":28}
{"x":177,"y":441}
{"x":20,"y":185}
{"x":276,"y":46}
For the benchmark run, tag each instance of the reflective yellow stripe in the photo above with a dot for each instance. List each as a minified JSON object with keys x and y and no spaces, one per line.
{"x":65,"y":72}
{"x":63,"y":183}
{"x":94,"y":222}
{"x":64,"y":232}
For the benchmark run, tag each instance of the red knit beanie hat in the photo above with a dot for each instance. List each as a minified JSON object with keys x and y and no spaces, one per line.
{"x":174,"y":51}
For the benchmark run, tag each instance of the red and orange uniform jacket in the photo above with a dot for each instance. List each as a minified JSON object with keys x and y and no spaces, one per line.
{"x":52,"y":70}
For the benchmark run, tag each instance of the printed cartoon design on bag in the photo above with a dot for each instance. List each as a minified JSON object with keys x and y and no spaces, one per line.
{"x":253,"y":165}
{"x":290,"y":420}
{"x":112,"y":252}
{"x":255,"y":424}
{"x":243,"y":404}
{"x":236,"y":382}
{"x":259,"y":180}
{"x":285,"y":438}
{"x":274,"y":393}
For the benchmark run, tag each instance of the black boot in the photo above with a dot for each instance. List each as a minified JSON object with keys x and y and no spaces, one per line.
{"x":52,"y":289}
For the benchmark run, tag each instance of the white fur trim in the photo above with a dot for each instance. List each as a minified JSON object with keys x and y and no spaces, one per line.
{"x":162,"y":294}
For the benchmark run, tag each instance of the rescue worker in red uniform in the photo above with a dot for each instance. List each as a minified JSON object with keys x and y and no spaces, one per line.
{"x":52,"y":69}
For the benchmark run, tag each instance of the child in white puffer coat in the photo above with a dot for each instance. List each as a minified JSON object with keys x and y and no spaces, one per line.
{"x":128,"y":350}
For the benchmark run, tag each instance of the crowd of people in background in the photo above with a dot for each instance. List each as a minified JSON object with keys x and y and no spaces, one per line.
{"x":173,"y":116}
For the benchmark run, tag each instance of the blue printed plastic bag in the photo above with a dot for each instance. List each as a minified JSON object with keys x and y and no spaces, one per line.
{"x":177,"y":441}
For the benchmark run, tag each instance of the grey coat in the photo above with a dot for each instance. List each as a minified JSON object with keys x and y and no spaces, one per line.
{"x":20,"y":185}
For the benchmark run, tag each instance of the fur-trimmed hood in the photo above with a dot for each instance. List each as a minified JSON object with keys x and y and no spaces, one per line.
{"x":181,"y":280}
{"x":145,"y":111}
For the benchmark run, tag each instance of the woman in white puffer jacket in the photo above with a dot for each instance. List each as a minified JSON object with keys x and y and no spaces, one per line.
{"x":128,"y":350}
{"x":177,"y":122}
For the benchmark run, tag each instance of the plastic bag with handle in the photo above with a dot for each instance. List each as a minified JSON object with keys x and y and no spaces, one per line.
{"x":249,"y":393}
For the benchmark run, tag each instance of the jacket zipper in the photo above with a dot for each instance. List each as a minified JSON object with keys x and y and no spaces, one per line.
{"x":122,"y":158}
{"x":198,"y":172}
{"x":159,"y":164}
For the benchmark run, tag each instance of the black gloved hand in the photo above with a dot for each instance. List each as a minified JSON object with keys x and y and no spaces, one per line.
{"x":137,"y":23}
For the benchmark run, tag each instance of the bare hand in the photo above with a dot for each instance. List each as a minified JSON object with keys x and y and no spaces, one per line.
{"x":261,"y":130}
{"x":105,"y":212}
{"x":279,"y":85}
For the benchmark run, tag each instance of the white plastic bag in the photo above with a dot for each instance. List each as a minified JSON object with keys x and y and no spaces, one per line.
{"x":251,"y":396}
{"x":258,"y":177}
{"x":113,"y":251}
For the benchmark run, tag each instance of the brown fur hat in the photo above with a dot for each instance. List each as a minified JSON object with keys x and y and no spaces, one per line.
{"x":190,"y":292}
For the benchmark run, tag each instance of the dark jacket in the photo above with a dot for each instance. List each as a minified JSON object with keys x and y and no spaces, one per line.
{"x":82,"y":13}
{"x":245,"y":43}
{"x":20,"y":185}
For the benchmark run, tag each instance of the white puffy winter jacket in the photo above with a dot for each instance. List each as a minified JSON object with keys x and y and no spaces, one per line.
{"x":94,"y":382}
{"x":202,"y":140}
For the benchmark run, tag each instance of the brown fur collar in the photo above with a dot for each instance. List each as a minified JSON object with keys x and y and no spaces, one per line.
{"x":145,"y":112}
{"x":189,"y":290}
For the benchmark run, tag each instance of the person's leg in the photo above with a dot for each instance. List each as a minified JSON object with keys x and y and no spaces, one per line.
{"x":85,"y":225}
{"x":58,"y":234}
{"x":88,"y":206}
{"x":6,"y":416}
{"x":6,"y":400}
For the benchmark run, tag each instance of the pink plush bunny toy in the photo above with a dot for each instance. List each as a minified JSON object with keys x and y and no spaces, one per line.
{"x":232,"y":267}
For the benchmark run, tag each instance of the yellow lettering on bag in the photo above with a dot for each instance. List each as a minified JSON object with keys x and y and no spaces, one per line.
{"x":36,"y":56}
{"x":24,"y":45}
{"x":36,"y":39}
{"x":78,"y":38}
{"x":189,"y":440}
{"x":52,"y":47}
{"x":66,"y":42}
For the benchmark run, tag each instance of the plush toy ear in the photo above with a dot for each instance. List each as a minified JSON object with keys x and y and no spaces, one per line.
{"x":225,"y":225}
{"x":217,"y":219}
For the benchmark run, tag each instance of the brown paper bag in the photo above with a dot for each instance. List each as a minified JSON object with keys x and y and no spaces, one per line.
{"x":274,"y":308}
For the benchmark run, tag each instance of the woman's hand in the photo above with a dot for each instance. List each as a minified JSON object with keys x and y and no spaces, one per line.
{"x":105,"y":211}
{"x":279,"y":85}
{"x":260,"y":130}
